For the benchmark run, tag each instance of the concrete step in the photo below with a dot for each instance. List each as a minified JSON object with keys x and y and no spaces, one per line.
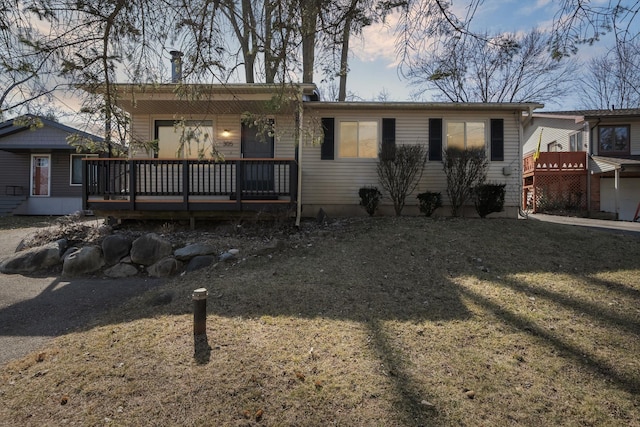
{"x":9,"y":203}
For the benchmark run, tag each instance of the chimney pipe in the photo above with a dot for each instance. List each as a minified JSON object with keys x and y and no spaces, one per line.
{"x":176,"y":66}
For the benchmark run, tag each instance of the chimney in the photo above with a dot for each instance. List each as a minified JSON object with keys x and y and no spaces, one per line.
{"x":176,"y":66}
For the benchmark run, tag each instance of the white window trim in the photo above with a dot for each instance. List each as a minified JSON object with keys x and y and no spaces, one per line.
{"x":162,"y":122}
{"x":486,"y":123}
{"x":71,"y":166}
{"x":358,"y":120}
{"x":33,"y":156}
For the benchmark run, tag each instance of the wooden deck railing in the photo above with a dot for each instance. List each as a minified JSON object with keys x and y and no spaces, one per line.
{"x":185,"y":185}
{"x":574,"y":161}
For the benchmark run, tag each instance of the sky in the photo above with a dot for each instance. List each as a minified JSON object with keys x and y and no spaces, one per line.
{"x":374,"y":64}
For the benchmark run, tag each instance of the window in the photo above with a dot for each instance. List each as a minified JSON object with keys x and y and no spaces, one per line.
{"x":76,"y":167}
{"x":613,"y":140}
{"x":40,"y":174}
{"x":553,"y":147}
{"x":465,"y":135}
{"x":358,"y":139}
{"x":575,"y":142}
{"x":184,"y":139}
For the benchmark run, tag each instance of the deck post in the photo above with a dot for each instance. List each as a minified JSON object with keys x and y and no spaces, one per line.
{"x":133,"y":177}
{"x":185,"y":184}
{"x":239,"y":183}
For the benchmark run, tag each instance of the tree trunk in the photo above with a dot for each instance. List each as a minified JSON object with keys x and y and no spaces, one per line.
{"x":310,"y":11}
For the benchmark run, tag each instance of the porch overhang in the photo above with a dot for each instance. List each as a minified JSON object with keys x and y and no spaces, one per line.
{"x":185,"y":99}
{"x":602,"y":164}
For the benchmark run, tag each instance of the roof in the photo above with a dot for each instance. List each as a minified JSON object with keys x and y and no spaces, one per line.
{"x":600,"y":164}
{"x":502,"y":106}
{"x":209,"y":98}
{"x":590,"y":114}
{"x":9,"y":128}
{"x":259,"y":98}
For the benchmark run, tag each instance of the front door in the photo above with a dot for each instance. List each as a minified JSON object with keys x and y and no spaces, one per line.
{"x":258,"y":176}
{"x":40,"y":175}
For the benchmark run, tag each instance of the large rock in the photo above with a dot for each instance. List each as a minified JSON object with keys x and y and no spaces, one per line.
{"x":199,"y":262}
{"x":121,"y":270}
{"x":194,"y":250}
{"x":115,"y":247}
{"x":34,"y":259}
{"x":165,"y":267}
{"x":85,"y":260}
{"x":149,"y":249}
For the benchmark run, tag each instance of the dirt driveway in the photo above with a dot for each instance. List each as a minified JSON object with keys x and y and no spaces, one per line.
{"x":33,"y":310}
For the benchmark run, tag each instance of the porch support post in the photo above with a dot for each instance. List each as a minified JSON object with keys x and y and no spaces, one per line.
{"x":300,"y":128}
{"x":85,"y":185}
{"x":133,"y":178}
{"x":617,"y":191}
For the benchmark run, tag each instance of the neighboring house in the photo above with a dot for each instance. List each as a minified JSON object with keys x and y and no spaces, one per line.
{"x":608,"y":140}
{"x":313,"y":155}
{"x":40,"y":173}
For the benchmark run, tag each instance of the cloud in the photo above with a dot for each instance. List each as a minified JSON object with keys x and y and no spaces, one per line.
{"x":377,"y":42}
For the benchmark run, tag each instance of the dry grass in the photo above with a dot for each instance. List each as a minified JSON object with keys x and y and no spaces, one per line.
{"x":371,"y":322}
{"x":13,"y":222}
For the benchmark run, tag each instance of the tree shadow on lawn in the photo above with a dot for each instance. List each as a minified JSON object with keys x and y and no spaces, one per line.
{"x":624,"y":379}
{"x":301,"y":285}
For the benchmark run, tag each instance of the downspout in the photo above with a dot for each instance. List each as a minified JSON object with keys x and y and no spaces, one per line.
{"x":589,"y":172}
{"x":617,"y":190}
{"x":588,"y":162}
{"x":300,"y":128}
{"x":522,"y":202}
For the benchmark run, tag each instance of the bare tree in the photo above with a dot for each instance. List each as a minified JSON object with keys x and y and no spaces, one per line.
{"x":28,"y":75}
{"x":500,"y":68}
{"x":613,"y":80}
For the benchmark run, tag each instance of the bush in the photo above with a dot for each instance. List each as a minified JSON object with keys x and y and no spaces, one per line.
{"x":369,"y":199}
{"x":429,"y":202}
{"x":489,"y":198}
{"x":465,"y":169}
{"x":399,"y":171}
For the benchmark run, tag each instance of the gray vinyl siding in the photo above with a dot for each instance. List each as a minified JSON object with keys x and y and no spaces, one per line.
{"x":336,"y":182}
{"x":40,"y":138}
{"x":14,"y":170}
{"x":60,"y":176}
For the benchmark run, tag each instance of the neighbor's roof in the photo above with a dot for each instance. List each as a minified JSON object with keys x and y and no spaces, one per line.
{"x":599,"y":164}
{"x":589,"y":114}
{"x":9,"y":128}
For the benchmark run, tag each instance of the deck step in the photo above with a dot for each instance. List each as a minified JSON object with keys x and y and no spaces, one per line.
{"x":8,"y":204}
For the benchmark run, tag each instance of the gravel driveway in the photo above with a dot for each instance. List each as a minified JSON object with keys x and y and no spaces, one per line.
{"x":33,"y":310}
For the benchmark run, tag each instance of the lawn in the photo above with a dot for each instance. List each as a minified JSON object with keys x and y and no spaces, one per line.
{"x":364,"y":322}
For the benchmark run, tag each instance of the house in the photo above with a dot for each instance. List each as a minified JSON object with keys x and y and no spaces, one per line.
{"x":609,"y":143}
{"x":254,"y":147}
{"x":40,"y":173}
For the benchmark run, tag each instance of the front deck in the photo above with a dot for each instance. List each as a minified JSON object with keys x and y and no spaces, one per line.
{"x":555,"y":180}
{"x":122,"y":187}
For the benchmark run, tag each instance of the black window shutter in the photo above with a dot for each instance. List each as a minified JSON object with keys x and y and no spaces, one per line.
{"x":388,"y":149}
{"x":327,"y":148}
{"x":497,"y":139}
{"x":435,"y":139}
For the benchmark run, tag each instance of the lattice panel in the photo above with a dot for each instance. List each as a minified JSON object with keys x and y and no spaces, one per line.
{"x":560,"y":192}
